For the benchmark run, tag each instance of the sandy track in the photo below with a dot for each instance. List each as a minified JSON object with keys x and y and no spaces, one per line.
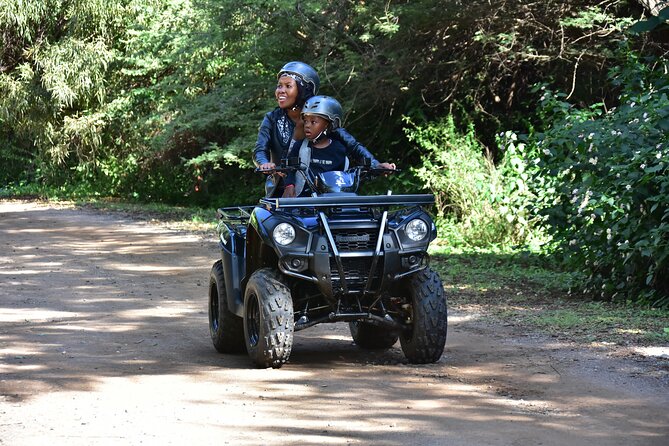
{"x":104,"y":340}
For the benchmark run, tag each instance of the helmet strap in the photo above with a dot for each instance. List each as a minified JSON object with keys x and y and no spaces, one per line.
{"x":320,"y":136}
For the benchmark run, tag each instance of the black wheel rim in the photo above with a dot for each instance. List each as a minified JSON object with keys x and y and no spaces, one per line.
{"x":253,"y":320}
{"x":213,"y":307}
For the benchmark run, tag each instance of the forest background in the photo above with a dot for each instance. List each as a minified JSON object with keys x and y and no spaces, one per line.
{"x":536,"y":125}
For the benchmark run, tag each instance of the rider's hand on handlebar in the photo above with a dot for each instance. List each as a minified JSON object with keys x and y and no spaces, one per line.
{"x":267,"y":168}
{"x":386,"y":166}
{"x":270,"y":168}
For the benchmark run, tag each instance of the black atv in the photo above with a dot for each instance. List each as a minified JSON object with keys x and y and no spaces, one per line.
{"x":290,"y":263}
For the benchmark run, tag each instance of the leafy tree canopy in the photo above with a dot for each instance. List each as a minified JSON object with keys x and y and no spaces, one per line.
{"x":181,"y":85}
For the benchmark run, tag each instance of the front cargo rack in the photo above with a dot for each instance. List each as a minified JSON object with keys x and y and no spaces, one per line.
{"x":349,"y":201}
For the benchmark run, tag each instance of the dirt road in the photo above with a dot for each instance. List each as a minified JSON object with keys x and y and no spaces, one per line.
{"x":104,"y":341}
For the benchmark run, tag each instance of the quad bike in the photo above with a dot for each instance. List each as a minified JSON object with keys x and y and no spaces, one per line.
{"x":290,"y":263}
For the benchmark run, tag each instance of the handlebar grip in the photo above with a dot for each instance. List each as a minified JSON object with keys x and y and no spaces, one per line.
{"x":382,"y":170}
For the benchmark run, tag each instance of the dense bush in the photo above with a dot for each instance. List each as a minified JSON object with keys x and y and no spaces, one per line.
{"x":478,"y":203}
{"x":144,"y":98}
{"x":603,"y":181}
{"x":53,"y":67}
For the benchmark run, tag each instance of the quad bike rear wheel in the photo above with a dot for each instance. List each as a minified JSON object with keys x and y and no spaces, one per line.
{"x":226,"y":328}
{"x":425,"y":340}
{"x":268,"y":319}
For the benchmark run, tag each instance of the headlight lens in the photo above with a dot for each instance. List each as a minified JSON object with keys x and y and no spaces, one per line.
{"x":416,"y":229}
{"x":284,"y":234}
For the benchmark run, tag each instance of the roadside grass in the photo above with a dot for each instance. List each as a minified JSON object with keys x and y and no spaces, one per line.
{"x":529,"y":292}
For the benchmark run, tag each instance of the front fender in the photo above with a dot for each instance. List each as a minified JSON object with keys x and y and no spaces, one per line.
{"x":260,"y":250}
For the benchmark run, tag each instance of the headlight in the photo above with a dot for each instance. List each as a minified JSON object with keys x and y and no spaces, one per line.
{"x":416,"y":229}
{"x":284,"y":234}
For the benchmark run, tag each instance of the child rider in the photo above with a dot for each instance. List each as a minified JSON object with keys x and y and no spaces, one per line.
{"x":321,"y":115}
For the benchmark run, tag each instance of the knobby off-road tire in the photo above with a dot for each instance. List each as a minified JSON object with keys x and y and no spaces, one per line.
{"x":425,"y":342}
{"x":268,"y":319}
{"x":225,"y":327}
{"x":372,"y":337}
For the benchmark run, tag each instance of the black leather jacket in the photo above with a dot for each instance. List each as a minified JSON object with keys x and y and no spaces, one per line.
{"x":273,"y":144}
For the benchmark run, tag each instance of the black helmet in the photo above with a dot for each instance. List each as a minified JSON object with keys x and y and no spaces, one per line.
{"x":304,"y":72}
{"x":326,"y":107}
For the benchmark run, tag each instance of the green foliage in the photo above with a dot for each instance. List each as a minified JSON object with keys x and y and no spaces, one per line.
{"x":478,"y":203}
{"x":653,"y":22}
{"x":13,"y":163}
{"x":71,"y":71}
{"x":599,"y":321}
{"x":53,"y":76}
{"x":192,"y":92}
{"x":603,"y":184}
{"x":528,"y":289}
{"x":453,"y":166}
{"x":494,"y":269}
{"x":145,"y":98}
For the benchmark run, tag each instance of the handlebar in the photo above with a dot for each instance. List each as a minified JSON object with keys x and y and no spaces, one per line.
{"x":276,"y":169}
{"x":360,"y":173}
{"x":371,"y":170}
{"x":382,"y":171}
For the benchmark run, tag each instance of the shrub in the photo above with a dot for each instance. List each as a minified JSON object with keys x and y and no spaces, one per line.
{"x":604,"y":185}
{"x":478,"y":203}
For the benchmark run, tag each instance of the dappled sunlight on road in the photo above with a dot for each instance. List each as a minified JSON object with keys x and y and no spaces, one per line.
{"x":104,"y":340}
{"x":71,"y":283}
{"x":32,"y":315}
{"x":146,"y":268}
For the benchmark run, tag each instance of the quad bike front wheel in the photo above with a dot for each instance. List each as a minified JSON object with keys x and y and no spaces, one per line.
{"x":226,"y":328}
{"x":372,"y":337}
{"x":268,"y":319}
{"x":425,"y":340}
